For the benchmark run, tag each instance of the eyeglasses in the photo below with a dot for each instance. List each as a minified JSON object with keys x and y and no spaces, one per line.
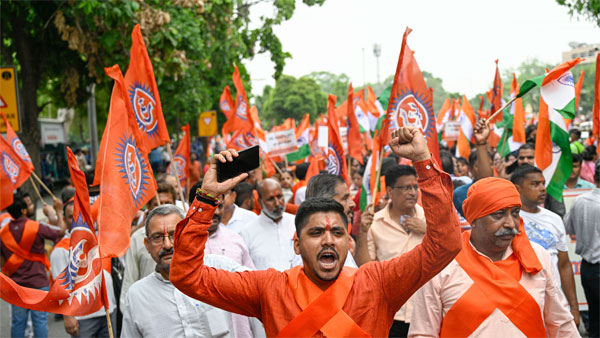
{"x":158,"y":239}
{"x":406,"y":187}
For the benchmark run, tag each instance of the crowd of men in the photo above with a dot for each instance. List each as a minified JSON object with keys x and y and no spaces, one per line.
{"x":466,"y":247}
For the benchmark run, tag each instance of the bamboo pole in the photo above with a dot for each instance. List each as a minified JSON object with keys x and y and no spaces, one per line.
{"x":37,"y":192}
{"x":501,"y":109}
{"x":108,"y":321}
{"x":381,"y":152}
{"x":275,"y":165}
{"x":43,"y":185}
{"x":174,"y":166}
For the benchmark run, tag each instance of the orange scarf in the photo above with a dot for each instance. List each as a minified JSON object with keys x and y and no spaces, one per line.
{"x":496,"y":286}
{"x":20,"y":251}
{"x":321,"y":310}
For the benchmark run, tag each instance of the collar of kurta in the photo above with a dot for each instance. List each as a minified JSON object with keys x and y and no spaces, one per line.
{"x":495,"y":286}
{"x":321,"y":310}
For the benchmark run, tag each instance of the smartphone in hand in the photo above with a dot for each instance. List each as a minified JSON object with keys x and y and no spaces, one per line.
{"x":247,"y":160}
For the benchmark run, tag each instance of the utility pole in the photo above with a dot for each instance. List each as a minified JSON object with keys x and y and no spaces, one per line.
{"x":377,"y":53}
{"x":91,"y":106}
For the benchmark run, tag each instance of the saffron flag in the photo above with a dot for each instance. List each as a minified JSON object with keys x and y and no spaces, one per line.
{"x":578,"y":86}
{"x":80,"y":288}
{"x":226,"y":103}
{"x":518,"y":113}
{"x":143,"y":94}
{"x":336,"y":162}
{"x":374,"y":108}
{"x":496,"y":95}
{"x":241,"y":119}
{"x":14,"y":172}
{"x":17,"y":145}
{"x":123,"y":172}
{"x":552,"y":148}
{"x":411,"y":103}
{"x":303,"y":130}
{"x":443,"y":117}
{"x":467,"y":123}
{"x":369,"y":187}
{"x":181,"y":158}
{"x":354,"y":138}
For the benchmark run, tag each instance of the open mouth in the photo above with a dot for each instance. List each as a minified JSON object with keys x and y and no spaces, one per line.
{"x":328,"y":260}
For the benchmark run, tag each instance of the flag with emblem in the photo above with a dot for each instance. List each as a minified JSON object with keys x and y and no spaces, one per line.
{"x":80,"y":288}
{"x":411,"y":102}
{"x":16,"y":144}
{"x":354,"y":137}
{"x":552,"y":146}
{"x":143,"y":94}
{"x":122,"y":170}
{"x":226,"y":103}
{"x":181,"y":158}
{"x":496,"y":95}
{"x":334,"y":154}
{"x":13,"y":173}
{"x":240,"y":119}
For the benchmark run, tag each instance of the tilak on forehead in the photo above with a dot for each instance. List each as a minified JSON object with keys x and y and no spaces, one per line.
{"x":327,"y":223}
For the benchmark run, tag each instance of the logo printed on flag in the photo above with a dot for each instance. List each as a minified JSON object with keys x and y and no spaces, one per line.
{"x":242,"y":109}
{"x":566,"y":79}
{"x":10,"y":167}
{"x":334,"y":156}
{"x":180,"y":163}
{"x":415,"y":110}
{"x":134,"y":168}
{"x":20,"y":149}
{"x":143,"y":103}
{"x":225,"y":105}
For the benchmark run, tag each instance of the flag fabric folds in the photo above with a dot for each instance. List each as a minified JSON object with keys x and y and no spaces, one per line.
{"x":143,"y":94}
{"x":80,"y":288}
{"x":411,"y":102}
{"x":226,"y":103}
{"x":336,"y":161}
{"x":16,"y":144}
{"x":467,"y":124}
{"x":240,"y":118}
{"x":123,"y":172}
{"x":13,"y":173}
{"x":496,"y":95}
{"x":354,"y":138}
{"x":181,"y":158}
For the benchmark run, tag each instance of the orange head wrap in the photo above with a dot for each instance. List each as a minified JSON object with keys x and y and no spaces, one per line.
{"x":489,"y":195}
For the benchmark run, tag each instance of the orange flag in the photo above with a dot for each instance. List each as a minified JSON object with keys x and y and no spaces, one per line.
{"x":411,"y":103}
{"x":80,"y":288}
{"x":14,"y":172}
{"x":182,"y":156}
{"x":143,"y":94}
{"x":578,"y":89}
{"x":226,"y":103}
{"x":518,"y":128}
{"x":336,"y":164}
{"x":596,"y":107}
{"x":17,"y":145}
{"x":543,"y":140}
{"x":496,"y":95}
{"x":123,"y":172}
{"x":241,"y":120}
{"x":354,"y":137}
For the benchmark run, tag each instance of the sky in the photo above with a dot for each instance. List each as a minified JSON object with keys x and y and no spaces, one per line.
{"x":456,"y":41}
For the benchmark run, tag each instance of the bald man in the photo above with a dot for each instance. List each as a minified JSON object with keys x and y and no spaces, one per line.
{"x":269,"y":236}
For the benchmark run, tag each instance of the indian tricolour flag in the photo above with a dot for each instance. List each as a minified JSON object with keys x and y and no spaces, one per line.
{"x":368,"y":191}
{"x":557,"y":102}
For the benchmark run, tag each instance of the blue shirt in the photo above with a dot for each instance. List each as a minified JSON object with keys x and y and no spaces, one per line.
{"x":459,"y":196}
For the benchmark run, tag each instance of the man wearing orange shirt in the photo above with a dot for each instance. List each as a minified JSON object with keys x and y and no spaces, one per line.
{"x":321,"y":298}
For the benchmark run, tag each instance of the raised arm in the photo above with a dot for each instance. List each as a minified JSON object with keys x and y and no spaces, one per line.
{"x":231,"y":291}
{"x":402,"y":276}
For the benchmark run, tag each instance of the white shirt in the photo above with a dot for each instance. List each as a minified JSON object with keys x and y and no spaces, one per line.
{"x":240,"y":219}
{"x":271,"y":244}
{"x":59,"y":259}
{"x":138,"y":263}
{"x":546,"y":229}
{"x":155,"y":308}
{"x":300,"y":195}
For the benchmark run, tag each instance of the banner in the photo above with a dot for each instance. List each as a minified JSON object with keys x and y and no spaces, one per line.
{"x":282,"y":142}
{"x":207,"y":123}
{"x":451,"y":130}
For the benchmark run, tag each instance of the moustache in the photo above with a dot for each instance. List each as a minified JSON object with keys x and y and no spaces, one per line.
{"x":506,"y":232}
{"x":164,"y":252}
{"x":328,"y":249}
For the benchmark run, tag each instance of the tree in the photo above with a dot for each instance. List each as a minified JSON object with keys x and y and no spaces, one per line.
{"x":60,"y":47}
{"x":589,"y":9}
{"x":332,"y":83}
{"x":293,"y":98}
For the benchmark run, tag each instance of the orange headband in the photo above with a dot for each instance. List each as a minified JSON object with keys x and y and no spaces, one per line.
{"x":489,"y":195}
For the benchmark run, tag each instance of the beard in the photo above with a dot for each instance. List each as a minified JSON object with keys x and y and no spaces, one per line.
{"x":273,"y":214}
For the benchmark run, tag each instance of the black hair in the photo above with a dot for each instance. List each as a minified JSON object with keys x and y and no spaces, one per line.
{"x":301,"y":170}
{"x":588,"y":153}
{"x":462,"y":160}
{"x":323,"y":185}
{"x":313,"y":205}
{"x":447,"y":163}
{"x":360,"y":171}
{"x":67,"y":194}
{"x":522,"y":171}
{"x":243,"y":191}
{"x":576,"y":132}
{"x":529,"y":132}
{"x":526,"y":146}
{"x":597,"y":172}
{"x":473,"y":158}
{"x":387,"y":163}
{"x":15,"y":209}
{"x":192,"y":192}
{"x":392,"y":174}
{"x":576,"y":158}
{"x":162,"y":187}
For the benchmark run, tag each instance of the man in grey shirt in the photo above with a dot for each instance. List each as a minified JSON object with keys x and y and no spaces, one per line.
{"x":583,"y":220}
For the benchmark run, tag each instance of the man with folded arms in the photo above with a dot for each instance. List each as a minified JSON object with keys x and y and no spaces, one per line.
{"x":321,"y":298}
{"x":500,"y":284}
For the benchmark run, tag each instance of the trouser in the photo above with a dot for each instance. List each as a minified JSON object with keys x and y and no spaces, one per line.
{"x":19,"y":317}
{"x":96,"y":327}
{"x":399,"y":329}
{"x":590,"y":280}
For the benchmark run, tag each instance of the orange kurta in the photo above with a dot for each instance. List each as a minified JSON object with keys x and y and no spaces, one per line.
{"x":379,"y":289}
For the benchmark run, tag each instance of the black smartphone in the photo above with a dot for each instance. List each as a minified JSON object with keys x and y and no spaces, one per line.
{"x":248,"y":159}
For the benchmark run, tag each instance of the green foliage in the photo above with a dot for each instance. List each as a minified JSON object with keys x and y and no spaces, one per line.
{"x":333,"y":84}
{"x":293,"y":98}
{"x":589,"y":9}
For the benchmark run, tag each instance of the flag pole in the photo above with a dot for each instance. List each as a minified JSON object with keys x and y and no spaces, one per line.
{"x":377,"y":176}
{"x":275,"y":165}
{"x":43,"y":185}
{"x":503,"y":144}
{"x":37,"y":192}
{"x":174,"y":167}
{"x":501,"y":109}
{"x":109,"y":323}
